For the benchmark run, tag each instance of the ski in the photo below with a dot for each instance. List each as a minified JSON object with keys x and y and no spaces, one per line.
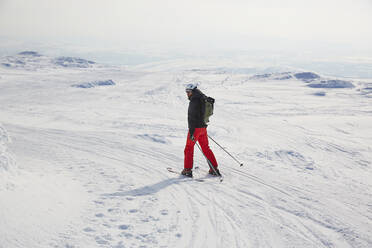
{"x":178,"y":173}
{"x":196,"y":179}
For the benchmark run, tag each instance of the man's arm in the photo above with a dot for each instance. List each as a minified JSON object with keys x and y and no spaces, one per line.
{"x":193,"y":115}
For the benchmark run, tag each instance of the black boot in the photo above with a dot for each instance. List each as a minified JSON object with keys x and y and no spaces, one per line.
{"x":187,"y":172}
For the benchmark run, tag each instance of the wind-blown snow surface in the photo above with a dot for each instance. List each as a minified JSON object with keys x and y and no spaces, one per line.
{"x":91,"y":162}
{"x":6,"y":160}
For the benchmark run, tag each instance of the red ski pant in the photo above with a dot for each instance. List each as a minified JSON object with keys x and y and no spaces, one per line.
{"x":201,"y":136}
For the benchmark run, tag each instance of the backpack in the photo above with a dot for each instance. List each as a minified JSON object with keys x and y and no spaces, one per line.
{"x":208,"y":108}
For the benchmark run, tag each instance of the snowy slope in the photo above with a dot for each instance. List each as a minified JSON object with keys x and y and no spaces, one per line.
{"x":89,"y":164}
{"x":7,"y":163}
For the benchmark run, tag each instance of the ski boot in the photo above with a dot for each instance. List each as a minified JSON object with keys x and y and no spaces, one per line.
{"x":187,"y":172}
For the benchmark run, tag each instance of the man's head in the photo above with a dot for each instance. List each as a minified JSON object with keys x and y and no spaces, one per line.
{"x":189,"y":89}
{"x":189,"y":93}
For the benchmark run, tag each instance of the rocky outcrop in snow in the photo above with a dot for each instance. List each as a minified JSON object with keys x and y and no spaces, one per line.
{"x":306,"y":76}
{"x":366,"y":90}
{"x":312,"y":79}
{"x":31,"y":60}
{"x":73,"y":62}
{"x":332,"y":84}
{"x":273,"y":76}
{"x":94,"y":84}
{"x":30,"y":53}
{"x":303,"y":76}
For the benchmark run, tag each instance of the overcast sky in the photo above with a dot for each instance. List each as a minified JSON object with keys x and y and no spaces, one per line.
{"x":187,"y":24}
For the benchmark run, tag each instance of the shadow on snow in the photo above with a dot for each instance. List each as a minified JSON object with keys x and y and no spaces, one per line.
{"x":150,"y":189}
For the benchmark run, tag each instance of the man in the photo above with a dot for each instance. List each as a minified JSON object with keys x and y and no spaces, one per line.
{"x":197,"y":131}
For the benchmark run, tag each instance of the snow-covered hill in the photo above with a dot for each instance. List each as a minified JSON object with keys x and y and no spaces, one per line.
{"x":86,"y":166}
{"x":313,"y":80}
{"x":31,"y":60}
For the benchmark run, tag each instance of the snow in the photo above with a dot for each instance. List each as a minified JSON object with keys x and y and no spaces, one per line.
{"x":94,"y":84}
{"x":319,"y":93}
{"x":366,"y":90}
{"x":30,"y":53}
{"x":332,"y":84}
{"x":7,"y":162}
{"x":87,"y":168}
{"x":33,"y":61}
{"x":73,"y":62}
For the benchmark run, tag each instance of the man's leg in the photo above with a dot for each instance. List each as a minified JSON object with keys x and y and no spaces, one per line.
{"x":189,"y":149}
{"x":203,"y":141}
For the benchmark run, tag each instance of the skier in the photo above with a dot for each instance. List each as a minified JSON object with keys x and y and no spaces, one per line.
{"x":197,"y":132}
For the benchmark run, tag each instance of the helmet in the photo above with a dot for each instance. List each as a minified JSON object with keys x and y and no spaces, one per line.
{"x":191,"y":86}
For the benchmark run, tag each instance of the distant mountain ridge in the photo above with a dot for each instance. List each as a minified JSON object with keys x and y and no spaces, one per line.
{"x":32,"y":60}
{"x":312,"y":79}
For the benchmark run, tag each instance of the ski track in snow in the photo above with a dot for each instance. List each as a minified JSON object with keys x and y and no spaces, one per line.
{"x":305,"y":180}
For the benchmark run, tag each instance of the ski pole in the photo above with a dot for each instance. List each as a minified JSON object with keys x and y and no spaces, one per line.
{"x":241,"y":164}
{"x":209,"y":163}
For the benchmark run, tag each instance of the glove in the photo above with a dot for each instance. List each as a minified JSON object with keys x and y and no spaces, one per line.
{"x":192,"y":134}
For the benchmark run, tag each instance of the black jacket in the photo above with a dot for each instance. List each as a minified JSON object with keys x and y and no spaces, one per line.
{"x":196,"y":111}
